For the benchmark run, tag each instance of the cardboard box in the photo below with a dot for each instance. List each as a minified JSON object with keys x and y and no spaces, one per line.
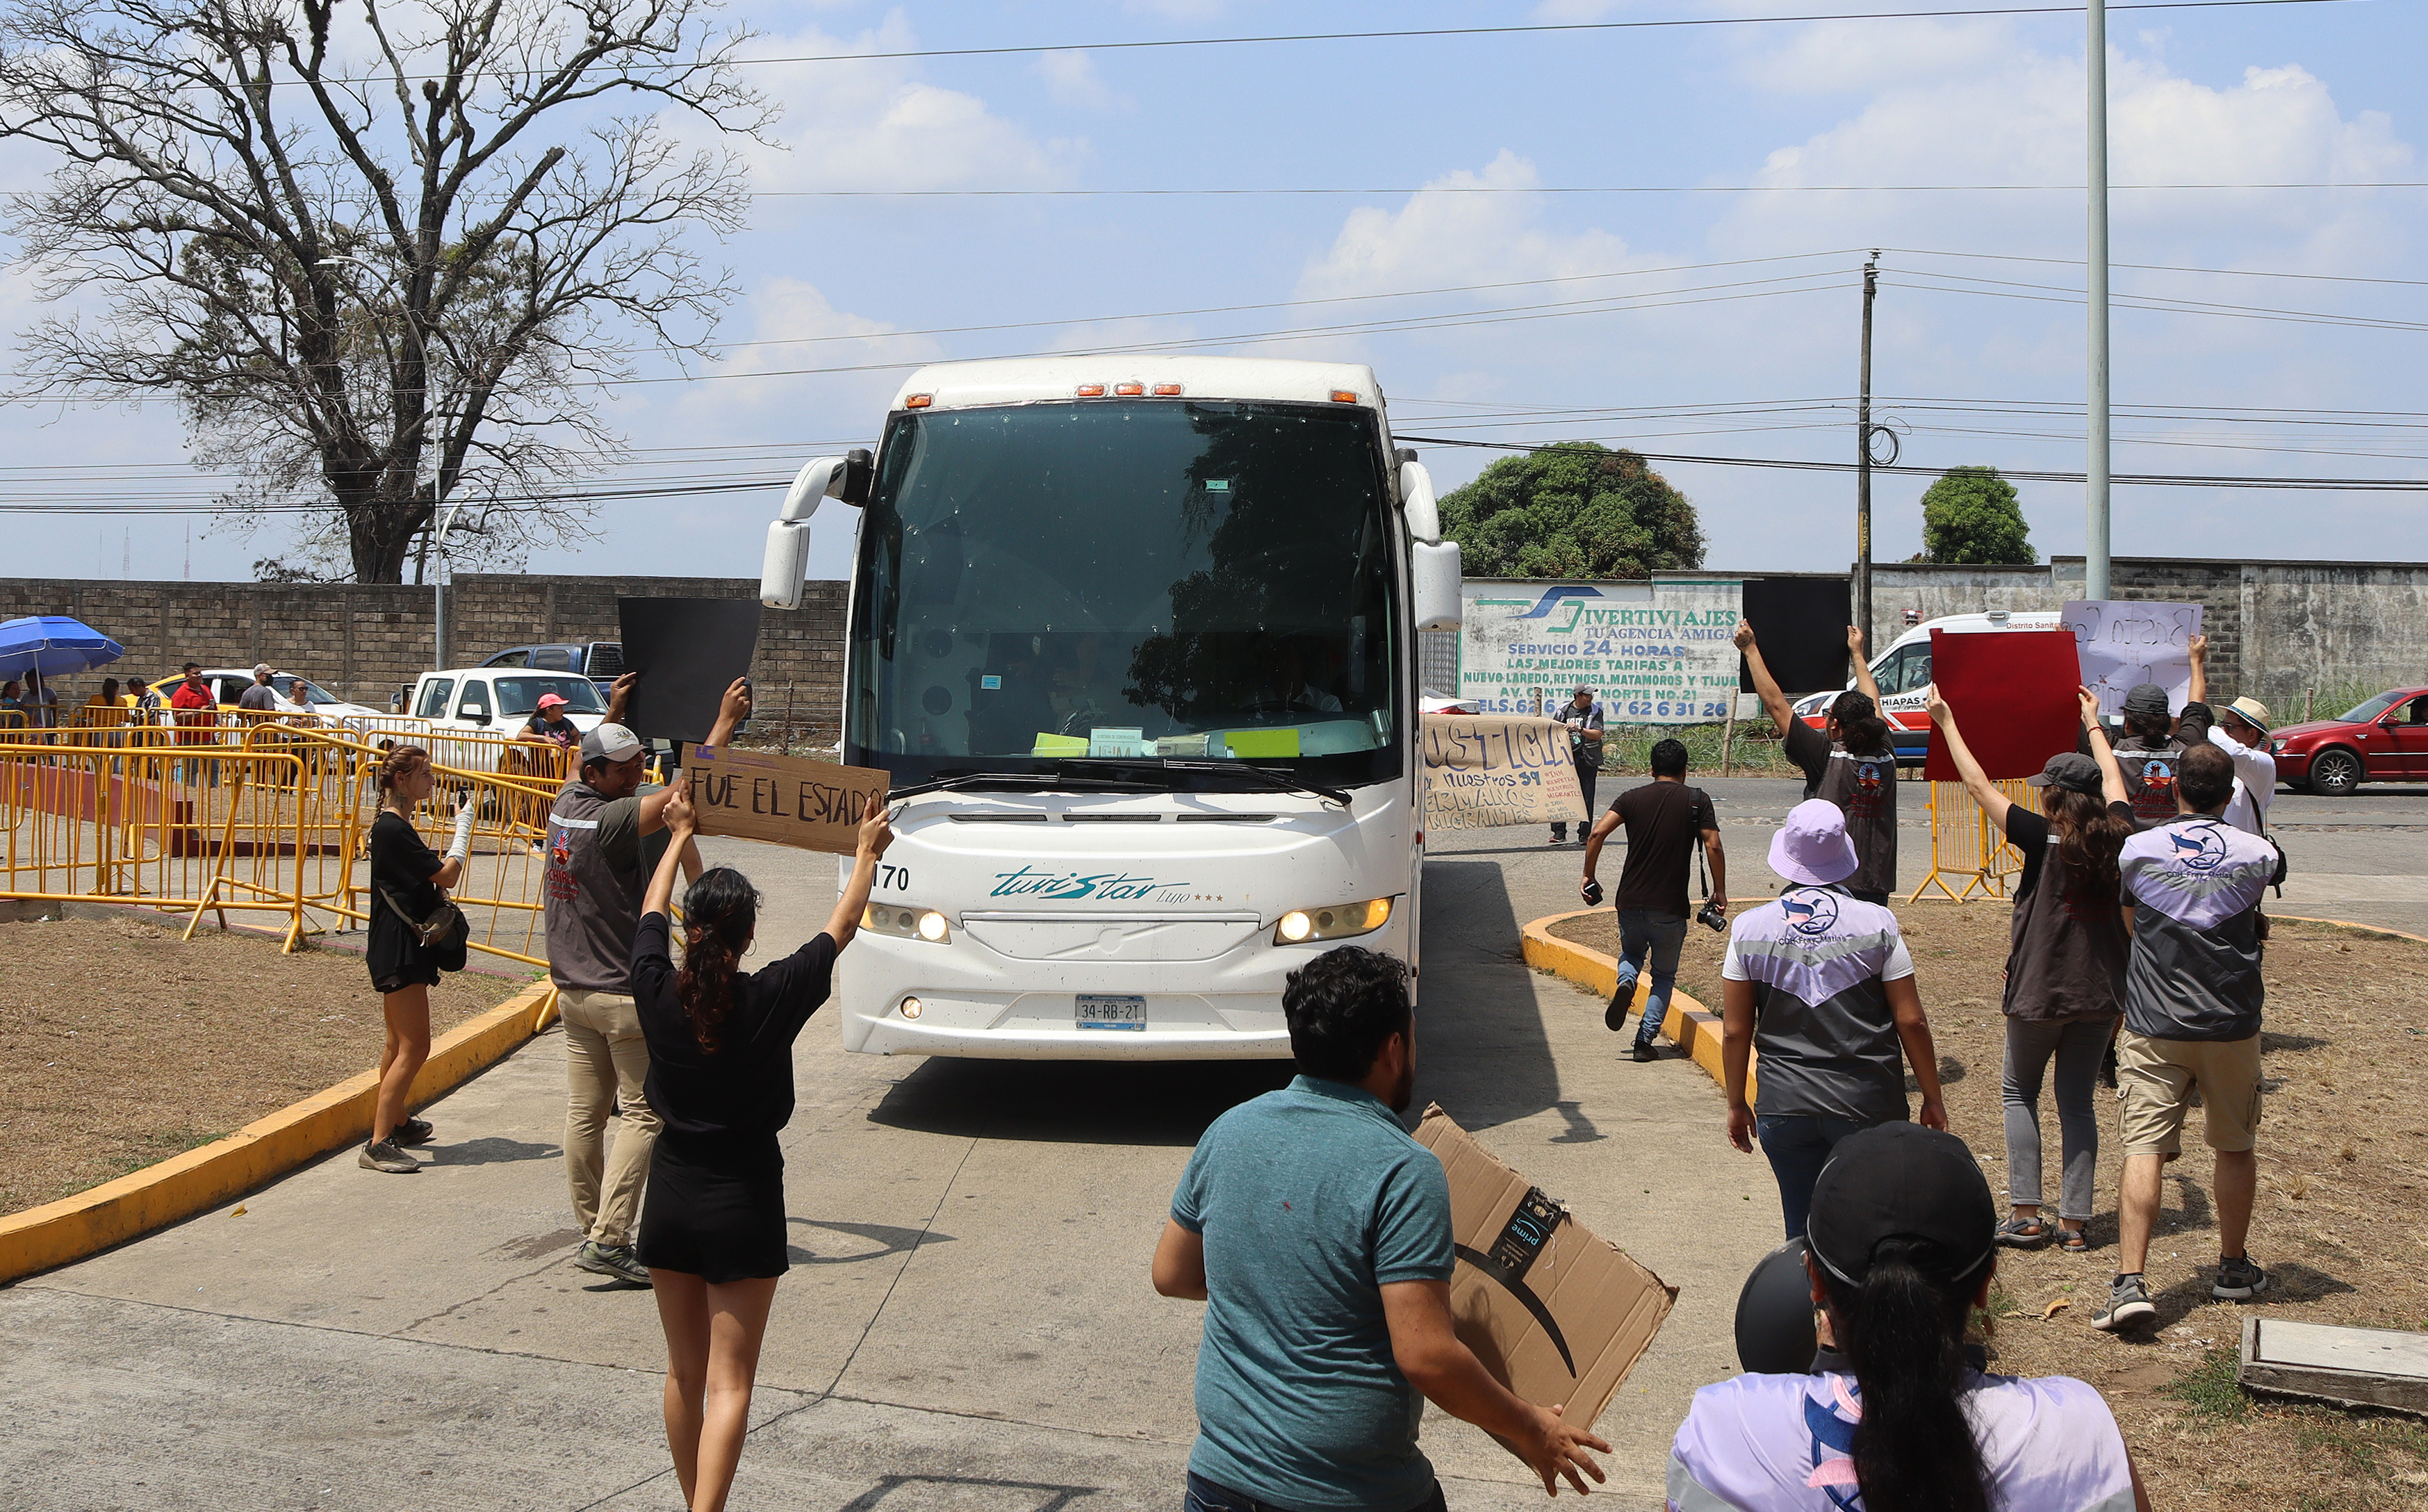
{"x":789,"y":800}
{"x":1556,"y":1314}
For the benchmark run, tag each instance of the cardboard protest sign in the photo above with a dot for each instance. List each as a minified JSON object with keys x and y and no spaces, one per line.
{"x":2013,"y":693}
{"x":788,"y":800}
{"x":1801,"y":625}
{"x":2125,"y":642}
{"x":687,"y":652}
{"x":1483,"y":770}
{"x":1557,"y":1315}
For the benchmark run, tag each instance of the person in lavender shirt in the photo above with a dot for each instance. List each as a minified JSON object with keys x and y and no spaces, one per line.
{"x":1901,"y":1246}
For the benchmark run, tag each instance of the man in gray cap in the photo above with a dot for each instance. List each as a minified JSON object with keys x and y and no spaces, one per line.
{"x":260,"y":698}
{"x":598,"y":859}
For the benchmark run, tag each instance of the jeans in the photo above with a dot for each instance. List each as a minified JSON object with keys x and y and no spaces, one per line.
{"x":2078,"y":1044}
{"x":1643,"y":931}
{"x":1588,"y":768}
{"x":1206,"y":1496}
{"x":1798,"y":1145}
{"x":607,"y":1064}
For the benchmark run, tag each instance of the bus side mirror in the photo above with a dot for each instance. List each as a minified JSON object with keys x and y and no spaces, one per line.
{"x":786,"y":564}
{"x":1433,"y":584}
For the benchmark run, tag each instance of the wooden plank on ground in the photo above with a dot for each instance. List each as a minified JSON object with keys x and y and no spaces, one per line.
{"x":2367,"y":1366}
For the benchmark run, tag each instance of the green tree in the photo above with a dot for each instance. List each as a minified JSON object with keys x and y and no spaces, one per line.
{"x":1574,"y":511}
{"x":1970,"y":516}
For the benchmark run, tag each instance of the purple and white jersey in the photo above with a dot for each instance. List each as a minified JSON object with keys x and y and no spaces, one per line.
{"x":1818,"y":960}
{"x":1783,"y":1444}
{"x":2194,"y":887}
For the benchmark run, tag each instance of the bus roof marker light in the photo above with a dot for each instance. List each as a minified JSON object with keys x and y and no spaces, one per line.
{"x":918,"y":402}
{"x":1092,"y":390}
{"x":1344,"y":396}
{"x":1129,"y":389}
{"x":1167,"y":390}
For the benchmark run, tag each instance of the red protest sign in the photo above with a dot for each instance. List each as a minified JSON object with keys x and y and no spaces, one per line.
{"x":2014,"y":694}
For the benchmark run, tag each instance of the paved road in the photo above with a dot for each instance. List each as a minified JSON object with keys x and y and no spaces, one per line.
{"x":968,"y":1321}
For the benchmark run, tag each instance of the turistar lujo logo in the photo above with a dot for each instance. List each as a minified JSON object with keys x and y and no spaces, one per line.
{"x":1117,"y":886}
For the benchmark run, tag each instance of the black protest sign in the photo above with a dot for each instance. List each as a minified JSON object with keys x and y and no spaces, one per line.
{"x":1801,"y":624}
{"x":687,"y":652}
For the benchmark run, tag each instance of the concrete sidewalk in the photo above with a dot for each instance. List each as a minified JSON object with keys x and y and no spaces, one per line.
{"x":967,"y":1323}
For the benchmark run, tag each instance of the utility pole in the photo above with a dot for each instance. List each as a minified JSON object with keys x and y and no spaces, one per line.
{"x":2094,"y":545}
{"x":1863,"y":463}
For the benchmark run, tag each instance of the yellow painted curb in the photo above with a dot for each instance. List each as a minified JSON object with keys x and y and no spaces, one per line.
{"x":1691,"y":1026}
{"x":184,"y":1185}
{"x":2347,"y":923}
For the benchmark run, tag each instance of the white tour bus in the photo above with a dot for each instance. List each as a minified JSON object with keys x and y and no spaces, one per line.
{"x":1136,"y":640}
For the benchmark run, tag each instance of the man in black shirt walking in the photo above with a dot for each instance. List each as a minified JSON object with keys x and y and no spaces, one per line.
{"x":1665,"y":820}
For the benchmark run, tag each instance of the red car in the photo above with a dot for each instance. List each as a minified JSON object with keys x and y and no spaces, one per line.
{"x":2384,"y":740}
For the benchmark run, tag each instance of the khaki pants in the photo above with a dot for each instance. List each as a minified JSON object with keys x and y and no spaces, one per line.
{"x":606,"y":1063}
{"x":2154,"y":1080}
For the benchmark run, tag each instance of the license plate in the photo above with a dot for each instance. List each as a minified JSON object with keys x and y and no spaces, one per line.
{"x":1098,"y":1011}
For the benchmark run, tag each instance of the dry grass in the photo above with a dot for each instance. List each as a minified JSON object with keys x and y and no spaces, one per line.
{"x":121,"y":1045}
{"x":2341,"y":1223}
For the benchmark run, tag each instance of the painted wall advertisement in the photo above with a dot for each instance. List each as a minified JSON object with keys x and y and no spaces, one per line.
{"x":1660,"y":653}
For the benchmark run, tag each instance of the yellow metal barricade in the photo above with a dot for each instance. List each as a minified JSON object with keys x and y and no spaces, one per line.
{"x":1965,"y":848}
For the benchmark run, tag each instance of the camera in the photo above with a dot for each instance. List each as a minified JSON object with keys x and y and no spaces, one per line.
{"x":1592,"y":894}
{"x":1710,"y":914}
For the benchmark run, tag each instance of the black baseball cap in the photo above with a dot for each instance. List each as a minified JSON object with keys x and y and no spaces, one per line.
{"x":2071,"y":770}
{"x":1901,"y":1180}
{"x":2146,"y":698}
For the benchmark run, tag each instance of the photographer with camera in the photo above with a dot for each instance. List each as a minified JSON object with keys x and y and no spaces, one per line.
{"x":1583,"y":717}
{"x":1822,"y":983}
{"x":1666,"y":819}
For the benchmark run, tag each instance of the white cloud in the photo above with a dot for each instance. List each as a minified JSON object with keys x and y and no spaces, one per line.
{"x":1859,"y":56}
{"x":1441,"y":237}
{"x":878,"y":124}
{"x":1071,"y":79}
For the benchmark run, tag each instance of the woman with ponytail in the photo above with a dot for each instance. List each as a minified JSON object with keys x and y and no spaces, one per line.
{"x":1851,"y":760}
{"x":721,"y":1077}
{"x":2065,"y":965}
{"x":1900,"y":1250}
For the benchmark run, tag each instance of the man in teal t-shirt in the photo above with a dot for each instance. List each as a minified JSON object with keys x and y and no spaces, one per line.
{"x":1317,"y":1233}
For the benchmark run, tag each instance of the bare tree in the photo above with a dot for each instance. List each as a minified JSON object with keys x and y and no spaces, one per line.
{"x":380,"y":258}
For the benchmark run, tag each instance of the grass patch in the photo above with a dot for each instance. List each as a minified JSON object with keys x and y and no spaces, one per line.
{"x":2210,"y":1388}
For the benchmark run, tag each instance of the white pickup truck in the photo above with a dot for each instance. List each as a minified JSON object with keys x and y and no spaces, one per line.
{"x":491,"y":701}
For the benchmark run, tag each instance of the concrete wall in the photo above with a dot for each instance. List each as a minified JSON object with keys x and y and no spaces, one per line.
{"x":360,"y":641}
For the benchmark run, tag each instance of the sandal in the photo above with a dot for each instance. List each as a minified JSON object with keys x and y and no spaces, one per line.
{"x":2023,"y":1233}
{"x":2073,"y":1241}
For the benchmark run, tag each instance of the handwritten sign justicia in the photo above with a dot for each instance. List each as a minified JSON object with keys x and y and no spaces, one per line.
{"x":789,"y":800}
{"x":2125,"y":642}
{"x":1483,"y":770}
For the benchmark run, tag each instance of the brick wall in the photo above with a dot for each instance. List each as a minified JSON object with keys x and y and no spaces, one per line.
{"x":361,"y":641}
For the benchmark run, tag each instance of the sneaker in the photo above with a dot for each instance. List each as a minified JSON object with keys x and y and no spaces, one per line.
{"x":385,"y":1156}
{"x":615,"y":1260}
{"x":1644,"y":1052}
{"x":2128,"y":1302}
{"x":2238,"y":1280}
{"x":1614,"y":1018}
{"x":411,"y":1132}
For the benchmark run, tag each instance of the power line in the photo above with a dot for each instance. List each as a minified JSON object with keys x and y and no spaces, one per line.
{"x":1534,"y":29}
{"x":2165,"y":268}
{"x":1538,"y":189}
{"x":2166,"y":479}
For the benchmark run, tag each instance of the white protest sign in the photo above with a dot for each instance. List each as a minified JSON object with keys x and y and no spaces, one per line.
{"x":1483,"y":770}
{"x":1657,"y":652}
{"x":2127,"y":642}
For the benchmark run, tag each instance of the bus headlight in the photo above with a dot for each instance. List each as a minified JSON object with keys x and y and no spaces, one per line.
{"x":907,"y":924}
{"x":1340,"y":922}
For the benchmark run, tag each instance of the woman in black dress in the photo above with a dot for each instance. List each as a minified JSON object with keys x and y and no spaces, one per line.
{"x":721,"y":1077}
{"x":402,"y":968}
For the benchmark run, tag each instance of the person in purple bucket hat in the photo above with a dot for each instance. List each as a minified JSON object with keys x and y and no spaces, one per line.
{"x":1821,"y":983}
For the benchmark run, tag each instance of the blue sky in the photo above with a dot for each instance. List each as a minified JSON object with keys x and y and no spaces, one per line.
{"x":1719,"y":323}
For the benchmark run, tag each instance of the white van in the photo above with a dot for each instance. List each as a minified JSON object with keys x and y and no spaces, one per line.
{"x":1903,"y":672}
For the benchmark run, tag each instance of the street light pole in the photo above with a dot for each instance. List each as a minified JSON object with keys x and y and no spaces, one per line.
{"x":1864,"y":464}
{"x":443,"y":521}
{"x":2094,"y":546}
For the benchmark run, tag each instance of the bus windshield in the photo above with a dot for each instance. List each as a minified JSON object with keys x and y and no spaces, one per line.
{"x":1119,"y":580}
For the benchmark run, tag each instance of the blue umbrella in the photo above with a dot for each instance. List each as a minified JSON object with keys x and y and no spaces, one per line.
{"x":52,"y":644}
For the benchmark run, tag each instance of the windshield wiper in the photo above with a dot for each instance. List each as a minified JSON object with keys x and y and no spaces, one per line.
{"x":1280,"y":778}
{"x":1059,"y":781}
